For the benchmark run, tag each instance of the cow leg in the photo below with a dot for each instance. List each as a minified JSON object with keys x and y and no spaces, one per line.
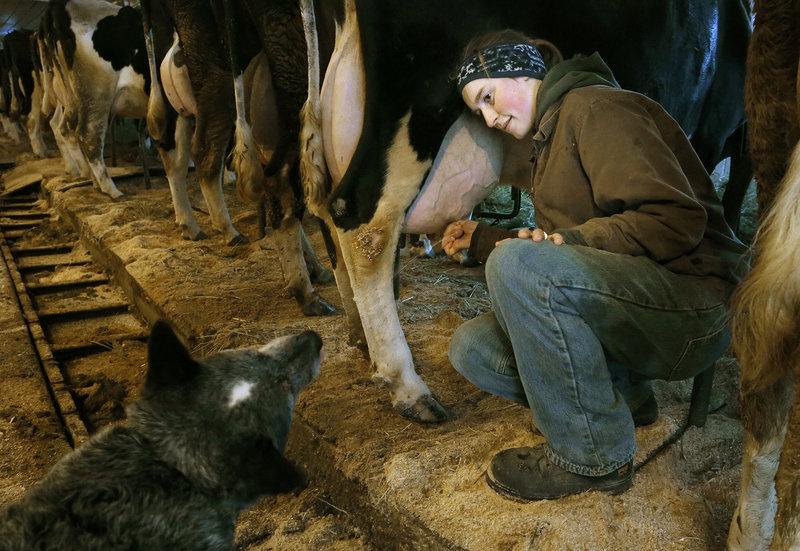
{"x":288,"y":237}
{"x":369,"y":253}
{"x":72,"y":156}
{"x":316,"y":271}
{"x":764,"y":420}
{"x":211,"y":136}
{"x":92,"y":134}
{"x":92,"y":148}
{"x":176,"y":165}
{"x":356,"y":336}
{"x":11,"y":128}
{"x":35,"y":121}
{"x":787,"y":481}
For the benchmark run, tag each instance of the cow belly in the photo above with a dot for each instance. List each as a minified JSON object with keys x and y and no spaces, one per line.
{"x":175,"y":80}
{"x":465,"y":171}
{"x":342,"y":100}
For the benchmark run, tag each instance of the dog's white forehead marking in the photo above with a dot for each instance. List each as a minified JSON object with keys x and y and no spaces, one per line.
{"x":241,"y":391}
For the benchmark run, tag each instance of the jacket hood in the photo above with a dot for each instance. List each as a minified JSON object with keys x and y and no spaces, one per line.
{"x":572,"y":73}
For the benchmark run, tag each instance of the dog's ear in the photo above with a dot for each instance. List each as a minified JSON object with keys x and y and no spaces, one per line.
{"x":169,"y":363}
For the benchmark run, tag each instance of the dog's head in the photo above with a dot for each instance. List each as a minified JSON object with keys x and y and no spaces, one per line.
{"x":223,"y":421}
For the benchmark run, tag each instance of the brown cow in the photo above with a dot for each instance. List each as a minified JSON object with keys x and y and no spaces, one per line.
{"x":766,"y":305}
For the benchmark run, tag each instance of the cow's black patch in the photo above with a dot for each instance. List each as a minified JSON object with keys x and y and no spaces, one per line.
{"x":120,"y":41}
{"x":17,"y":48}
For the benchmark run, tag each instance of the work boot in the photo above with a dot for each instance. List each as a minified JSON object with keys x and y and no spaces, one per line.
{"x":527,"y":474}
{"x":647,"y":413}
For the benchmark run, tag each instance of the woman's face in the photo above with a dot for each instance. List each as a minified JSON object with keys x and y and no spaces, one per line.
{"x":508,"y":104}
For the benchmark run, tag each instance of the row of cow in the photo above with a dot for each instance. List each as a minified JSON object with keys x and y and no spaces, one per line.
{"x":354,"y":99}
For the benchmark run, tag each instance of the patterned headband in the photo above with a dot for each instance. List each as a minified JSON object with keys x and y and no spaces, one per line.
{"x":502,"y":60}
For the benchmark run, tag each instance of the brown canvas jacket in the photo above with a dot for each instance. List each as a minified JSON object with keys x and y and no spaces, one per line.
{"x":615,"y":172}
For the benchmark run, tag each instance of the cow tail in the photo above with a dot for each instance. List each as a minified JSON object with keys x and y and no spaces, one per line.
{"x":47,"y":100}
{"x":765,"y":307}
{"x":313,"y":170}
{"x":156,"y":104}
{"x":244,"y":156}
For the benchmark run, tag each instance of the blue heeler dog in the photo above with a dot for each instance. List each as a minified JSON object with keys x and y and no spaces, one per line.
{"x":202,"y":444}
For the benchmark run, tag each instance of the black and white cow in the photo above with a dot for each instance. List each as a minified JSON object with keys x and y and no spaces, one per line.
{"x":388,"y":101}
{"x":96,"y":52}
{"x":20,"y":90}
{"x":191,"y":59}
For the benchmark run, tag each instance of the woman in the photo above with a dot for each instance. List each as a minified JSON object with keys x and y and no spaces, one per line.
{"x":625,"y":279}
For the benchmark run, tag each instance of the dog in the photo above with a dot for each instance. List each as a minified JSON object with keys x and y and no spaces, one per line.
{"x":205,"y":440}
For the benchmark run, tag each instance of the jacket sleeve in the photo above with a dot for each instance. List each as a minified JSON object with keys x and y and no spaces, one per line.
{"x":638,"y":182}
{"x":483,"y":239}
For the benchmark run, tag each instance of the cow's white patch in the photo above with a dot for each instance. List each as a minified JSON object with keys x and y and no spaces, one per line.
{"x":241,"y":391}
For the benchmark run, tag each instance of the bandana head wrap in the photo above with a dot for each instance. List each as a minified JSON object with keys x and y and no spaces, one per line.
{"x":502,"y":60}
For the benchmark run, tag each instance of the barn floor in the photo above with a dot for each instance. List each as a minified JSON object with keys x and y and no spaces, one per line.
{"x":376,"y":481}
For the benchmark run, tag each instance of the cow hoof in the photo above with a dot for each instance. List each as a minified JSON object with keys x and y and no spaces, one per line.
{"x":318,"y":307}
{"x":199,"y":235}
{"x":426,"y":409}
{"x":238,"y":239}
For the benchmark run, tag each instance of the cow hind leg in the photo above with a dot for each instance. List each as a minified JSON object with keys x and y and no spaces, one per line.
{"x":288,"y":239}
{"x":71,"y":155}
{"x":368,"y":254}
{"x":208,"y":146}
{"x":11,"y":128}
{"x":764,"y":418}
{"x":91,"y":135}
{"x":316,"y":271}
{"x":176,"y":165}
{"x":787,"y":480}
{"x":355,"y":329}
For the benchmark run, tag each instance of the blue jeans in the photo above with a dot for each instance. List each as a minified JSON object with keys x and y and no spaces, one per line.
{"x":575,"y":334}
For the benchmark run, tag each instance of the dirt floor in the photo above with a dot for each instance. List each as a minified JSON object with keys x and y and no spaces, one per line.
{"x":378,"y":481}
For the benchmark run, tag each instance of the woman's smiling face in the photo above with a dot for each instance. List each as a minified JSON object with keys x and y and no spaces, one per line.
{"x":508,"y":104}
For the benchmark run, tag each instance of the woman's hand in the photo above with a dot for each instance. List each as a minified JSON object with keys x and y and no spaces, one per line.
{"x":537,"y":235}
{"x":458,"y":236}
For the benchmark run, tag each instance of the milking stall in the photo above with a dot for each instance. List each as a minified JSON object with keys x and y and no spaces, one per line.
{"x":185,"y":315}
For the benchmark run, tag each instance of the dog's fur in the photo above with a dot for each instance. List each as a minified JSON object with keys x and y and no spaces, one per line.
{"x":202,"y":444}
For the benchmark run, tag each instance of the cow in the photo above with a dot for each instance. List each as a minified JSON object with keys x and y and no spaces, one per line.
{"x":97,"y":52}
{"x":7,"y":97}
{"x":195,"y":75}
{"x":54,"y":98}
{"x":765,"y":308}
{"x":376,"y":123}
{"x":20,"y":92}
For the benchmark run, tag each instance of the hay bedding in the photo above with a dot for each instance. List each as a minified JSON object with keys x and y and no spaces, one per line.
{"x":429,"y":476}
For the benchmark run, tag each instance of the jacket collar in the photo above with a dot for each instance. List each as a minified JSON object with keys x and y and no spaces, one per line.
{"x":576,"y":72}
